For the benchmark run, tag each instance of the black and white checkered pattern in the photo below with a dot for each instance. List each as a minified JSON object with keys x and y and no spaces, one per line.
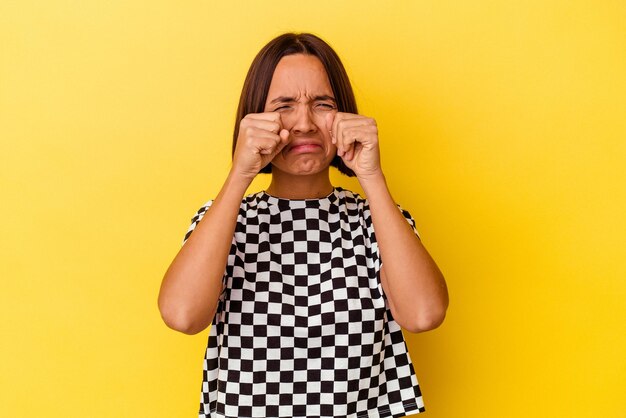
{"x":303,"y":328}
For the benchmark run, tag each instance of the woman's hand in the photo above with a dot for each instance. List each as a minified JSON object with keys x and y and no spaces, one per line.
{"x":356,"y":138}
{"x":261,"y":137}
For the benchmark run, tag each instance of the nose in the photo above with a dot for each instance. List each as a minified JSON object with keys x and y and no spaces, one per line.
{"x":303,"y":121}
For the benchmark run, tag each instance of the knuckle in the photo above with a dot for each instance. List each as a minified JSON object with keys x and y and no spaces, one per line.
{"x":274,"y":117}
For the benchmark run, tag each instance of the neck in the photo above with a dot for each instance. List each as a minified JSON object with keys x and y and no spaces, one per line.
{"x":288,"y":186}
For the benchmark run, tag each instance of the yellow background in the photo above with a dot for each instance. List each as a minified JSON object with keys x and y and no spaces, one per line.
{"x":502,"y":128}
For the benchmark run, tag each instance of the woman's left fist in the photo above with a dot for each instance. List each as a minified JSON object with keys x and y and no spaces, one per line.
{"x":356,"y":138}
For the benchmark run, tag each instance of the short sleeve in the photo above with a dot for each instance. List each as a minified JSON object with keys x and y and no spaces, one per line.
{"x":410,"y":220}
{"x":196,"y":219}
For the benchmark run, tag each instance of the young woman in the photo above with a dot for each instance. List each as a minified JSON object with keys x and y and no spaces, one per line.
{"x":306,"y":285}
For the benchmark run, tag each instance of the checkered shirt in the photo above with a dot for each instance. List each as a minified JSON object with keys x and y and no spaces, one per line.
{"x":303,"y":328}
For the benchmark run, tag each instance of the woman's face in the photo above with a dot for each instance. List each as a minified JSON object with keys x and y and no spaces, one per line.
{"x":300,"y":92}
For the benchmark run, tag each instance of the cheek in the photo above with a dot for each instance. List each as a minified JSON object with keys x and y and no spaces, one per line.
{"x":288,"y":120}
{"x":320,"y":120}
{"x":327,"y":139}
{"x":331,"y":150}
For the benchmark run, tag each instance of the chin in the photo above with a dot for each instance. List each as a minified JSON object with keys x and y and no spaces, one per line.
{"x":305,"y":171}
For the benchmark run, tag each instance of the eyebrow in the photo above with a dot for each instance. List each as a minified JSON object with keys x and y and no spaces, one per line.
{"x":286,"y":99}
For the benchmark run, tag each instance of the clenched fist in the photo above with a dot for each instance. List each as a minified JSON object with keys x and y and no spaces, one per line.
{"x":261,"y":137}
{"x":356,"y":138}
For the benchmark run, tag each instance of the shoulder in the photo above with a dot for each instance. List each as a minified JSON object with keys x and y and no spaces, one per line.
{"x":361,"y":205}
{"x":351,"y":199}
{"x":354,"y":209}
{"x":248,"y":202}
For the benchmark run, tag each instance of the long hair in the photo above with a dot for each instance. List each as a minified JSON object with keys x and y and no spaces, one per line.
{"x":257,"y":83}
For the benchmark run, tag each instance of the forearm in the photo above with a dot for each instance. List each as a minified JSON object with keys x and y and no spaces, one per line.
{"x":412,"y":282}
{"x":193,"y":282}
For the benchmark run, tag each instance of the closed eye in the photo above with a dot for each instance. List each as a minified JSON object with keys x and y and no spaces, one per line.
{"x":325,"y":106}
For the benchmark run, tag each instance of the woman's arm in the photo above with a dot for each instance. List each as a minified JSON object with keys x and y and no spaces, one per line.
{"x":412,"y":282}
{"x":414,"y":286}
{"x":193,"y":282}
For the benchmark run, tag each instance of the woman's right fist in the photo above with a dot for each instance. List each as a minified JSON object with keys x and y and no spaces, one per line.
{"x":261,"y":137}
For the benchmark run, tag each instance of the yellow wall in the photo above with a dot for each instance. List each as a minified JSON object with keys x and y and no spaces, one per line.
{"x":502,"y":128}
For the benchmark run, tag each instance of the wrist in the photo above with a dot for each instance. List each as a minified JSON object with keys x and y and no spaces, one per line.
{"x":238,"y":182}
{"x":372,"y":181}
{"x":240,"y":177}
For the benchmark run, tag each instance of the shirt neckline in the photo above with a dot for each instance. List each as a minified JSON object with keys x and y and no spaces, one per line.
{"x":303,"y":203}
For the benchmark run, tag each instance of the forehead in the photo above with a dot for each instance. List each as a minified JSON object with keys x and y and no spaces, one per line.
{"x":299,"y":74}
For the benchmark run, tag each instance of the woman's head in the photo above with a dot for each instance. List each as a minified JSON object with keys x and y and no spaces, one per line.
{"x":257,"y":84}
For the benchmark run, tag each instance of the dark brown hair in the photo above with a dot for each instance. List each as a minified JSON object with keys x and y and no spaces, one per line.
{"x":259,"y":78}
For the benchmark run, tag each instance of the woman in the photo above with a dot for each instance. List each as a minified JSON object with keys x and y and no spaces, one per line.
{"x":306,"y":317}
